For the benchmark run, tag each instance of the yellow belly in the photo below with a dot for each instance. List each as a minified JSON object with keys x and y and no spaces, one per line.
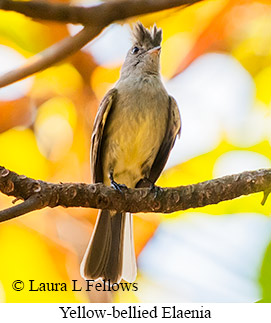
{"x":132,"y":146}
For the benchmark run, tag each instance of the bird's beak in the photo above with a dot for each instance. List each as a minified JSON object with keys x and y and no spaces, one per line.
{"x":155,"y":50}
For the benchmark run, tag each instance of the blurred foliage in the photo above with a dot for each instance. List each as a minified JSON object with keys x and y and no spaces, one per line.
{"x":45,"y":134}
{"x":265,"y":277}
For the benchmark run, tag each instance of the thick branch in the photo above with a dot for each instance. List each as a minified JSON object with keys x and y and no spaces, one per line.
{"x":131,"y":200}
{"x":99,"y":15}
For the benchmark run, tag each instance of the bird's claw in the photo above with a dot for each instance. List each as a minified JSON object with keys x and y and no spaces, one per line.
{"x":118,"y":187}
{"x":156,"y":190}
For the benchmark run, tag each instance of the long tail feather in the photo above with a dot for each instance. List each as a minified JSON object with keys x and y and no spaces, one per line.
{"x":110,"y":253}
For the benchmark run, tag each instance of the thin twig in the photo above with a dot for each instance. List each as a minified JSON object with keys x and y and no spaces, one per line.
{"x":50,"y":56}
{"x":29,"y":205}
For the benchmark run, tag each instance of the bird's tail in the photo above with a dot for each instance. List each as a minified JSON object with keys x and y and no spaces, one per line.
{"x":110,"y":254}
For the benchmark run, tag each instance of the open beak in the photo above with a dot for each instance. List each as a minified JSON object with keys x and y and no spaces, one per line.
{"x":155,"y":50}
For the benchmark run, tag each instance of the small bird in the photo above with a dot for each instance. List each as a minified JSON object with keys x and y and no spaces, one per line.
{"x":134,"y":131}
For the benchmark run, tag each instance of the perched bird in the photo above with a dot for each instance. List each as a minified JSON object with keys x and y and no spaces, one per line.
{"x":134,"y":131}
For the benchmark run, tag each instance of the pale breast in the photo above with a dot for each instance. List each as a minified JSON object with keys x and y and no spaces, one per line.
{"x":134,"y":131}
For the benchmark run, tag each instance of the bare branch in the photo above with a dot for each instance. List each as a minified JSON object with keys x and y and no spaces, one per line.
{"x":31,"y":204}
{"x":131,"y":200}
{"x":95,"y":18}
{"x":99,"y":15}
{"x":50,"y":56}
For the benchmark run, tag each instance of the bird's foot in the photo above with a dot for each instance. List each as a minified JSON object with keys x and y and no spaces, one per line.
{"x":156,"y":190}
{"x":117,"y":186}
{"x":145,"y":182}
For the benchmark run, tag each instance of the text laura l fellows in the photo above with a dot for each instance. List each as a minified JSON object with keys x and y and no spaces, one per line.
{"x":77,"y":286}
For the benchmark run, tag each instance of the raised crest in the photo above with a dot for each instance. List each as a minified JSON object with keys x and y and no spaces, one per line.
{"x":147,"y":37}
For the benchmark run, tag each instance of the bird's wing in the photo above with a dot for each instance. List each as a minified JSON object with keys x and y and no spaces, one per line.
{"x":173,"y":129}
{"x":97,"y":135}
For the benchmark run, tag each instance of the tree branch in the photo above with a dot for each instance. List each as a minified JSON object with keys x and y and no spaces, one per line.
{"x":99,"y":15}
{"x":94,"y":18}
{"x":39,"y":194}
{"x":51,"y":55}
{"x":31,"y":204}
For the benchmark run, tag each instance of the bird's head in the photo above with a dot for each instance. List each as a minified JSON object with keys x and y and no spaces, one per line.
{"x":144,"y":55}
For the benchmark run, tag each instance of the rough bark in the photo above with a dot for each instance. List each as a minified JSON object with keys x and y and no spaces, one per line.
{"x":38,"y":194}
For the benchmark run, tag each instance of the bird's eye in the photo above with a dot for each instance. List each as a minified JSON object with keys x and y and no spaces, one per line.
{"x":135,"y":50}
